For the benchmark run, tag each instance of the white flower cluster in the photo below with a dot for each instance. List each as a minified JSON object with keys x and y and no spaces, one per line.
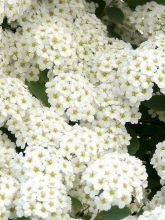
{"x":81,"y":143}
{"x":157,"y":200}
{"x":8,"y":184}
{"x":158,"y":161}
{"x":15,"y":101}
{"x":140,"y":24}
{"x":148,"y":18}
{"x":127,"y":30}
{"x":72,"y":94}
{"x":113,"y":180}
{"x":44,"y":178}
{"x":155,"y":214}
{"x":8,"y":189}
{"x":13,"y":9}
{"x":43,"y":127}
{"x":7,"y":154}
{"x":143,"y":67}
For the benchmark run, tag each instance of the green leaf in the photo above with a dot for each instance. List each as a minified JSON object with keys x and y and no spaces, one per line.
{"x":114,"y":213}
{"x":115,"y":14}
{"x":38,"y":90}
{"x":43,"y":78}
{"x":157,"y":103}
{"x":23,"y":218}
{"x":152,"y":130}
{"x":134,"y":3}
{"x":100,"y":9}
{"x":76,"y":206}
{"x":134,"y":142}
{"x":86,"y":217}
{"x":161,"y":2}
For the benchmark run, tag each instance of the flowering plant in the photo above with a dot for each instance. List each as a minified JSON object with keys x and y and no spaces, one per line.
{"x":82,"y":110}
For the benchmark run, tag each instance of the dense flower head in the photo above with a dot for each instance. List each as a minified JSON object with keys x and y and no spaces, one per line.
{"x":109,"y":187}
{"x":43,"y":127}
{"x":157,"y":200}
{"x":149,"y":18}
{"x":39,"y":198}
{"x":15,"y":99}
{"x":8,"y":190}
{"x":13,"y":9}
{"x":72,"y":94}
{"x":113,"y":107}
{"x":82,"y":143}
{"x":158,"y":161}
{"x":114,"y":138}
{"x":156,"y":213}
{"x":156,"y":45}
{"x":44,"y":177}
{"x":106,"y":62}
{"x":43,"y":161}
{"x":7,"y":154}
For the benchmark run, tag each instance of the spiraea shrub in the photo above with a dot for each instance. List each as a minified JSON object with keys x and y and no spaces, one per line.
{"x":82,"y":110}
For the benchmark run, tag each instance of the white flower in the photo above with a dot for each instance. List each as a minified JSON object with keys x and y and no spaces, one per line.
{"x":155,"y":214}
{"x":158,"y":160}
{"x":113,"y":180}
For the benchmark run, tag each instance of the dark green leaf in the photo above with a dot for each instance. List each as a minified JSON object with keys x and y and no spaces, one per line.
{"x":23,"y":218}
{"x":38,"y":90}
{"x":134,"y":3}
{"x":76,"y":205}
{"x":86,"y":217}
{"x":134,"y":143}
{"x":152,"y":129}
{"x":100,"y":9}
{"x":161,"y":2}
{"x":115,"y":14}
{"x":157,"y":102}
{"x":114,"y":213}
{"x":43,"y":76}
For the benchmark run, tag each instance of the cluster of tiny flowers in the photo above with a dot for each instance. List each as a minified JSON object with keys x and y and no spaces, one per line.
{"x":8,"y":184}
{"x":156,"y":45}
{"x":149,"y":18}
{"x":82,"y":143}
{"x":155,"y":214}
{"x":113,"y":107}
{"x":139,"y":24}
{"x":15,"y":99}
{"x":72,"y":94}
{"x":143,"y":67}
{"x":114,"y":138}
{"x":44,"y":179}
{"x":43,"y":127}
{"x":157,"y":200}
{"x":8,"y":190}
{"x":113,"y":180}
{"x":60,"y":40}
{"x":7,"y":154}
{"x":13,"y":9}
{"x":158,"y":161}
{"x":1,"y":51}
{"x":127,"y":30}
